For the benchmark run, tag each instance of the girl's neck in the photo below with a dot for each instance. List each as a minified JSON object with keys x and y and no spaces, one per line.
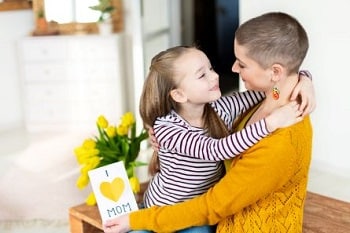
{"x":193,"y":115}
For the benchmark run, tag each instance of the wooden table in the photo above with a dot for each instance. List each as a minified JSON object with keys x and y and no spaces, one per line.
{"x":85,"y":219}
{"x":325,"y":215}
{"x":321,"y":215}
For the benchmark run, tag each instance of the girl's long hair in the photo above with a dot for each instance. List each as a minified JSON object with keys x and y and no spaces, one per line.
{"x":156,"y":101}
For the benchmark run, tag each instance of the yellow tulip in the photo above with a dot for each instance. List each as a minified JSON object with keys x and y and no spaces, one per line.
{"x":122,"y":130}
{"x":111,"y":131}
{"x":93,"y":162}
{"x":84,"y":156}
{"x":102,"y":122}
{"x":135,"y":184}
{"x":128,"y":119}
{"x":90,"y":164}
{"x":91,"y":200}
{"x":80,"y":154}
{"x":85,"y":169}
{"x":79,"y":151}
{"x":82,"y":181}
{"x":89,"y":143}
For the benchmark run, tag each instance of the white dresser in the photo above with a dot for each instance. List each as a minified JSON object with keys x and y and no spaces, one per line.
{"x":68,"y":81}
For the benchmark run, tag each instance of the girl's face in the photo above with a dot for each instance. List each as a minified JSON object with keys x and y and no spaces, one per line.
{"x":252,"y":74}
{"x":198,"y":80}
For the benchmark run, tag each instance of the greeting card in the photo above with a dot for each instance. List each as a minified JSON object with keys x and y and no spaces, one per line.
{"x":112,"y":190}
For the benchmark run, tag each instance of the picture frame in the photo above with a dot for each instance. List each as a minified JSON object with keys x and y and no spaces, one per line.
{"x":9,"y":5}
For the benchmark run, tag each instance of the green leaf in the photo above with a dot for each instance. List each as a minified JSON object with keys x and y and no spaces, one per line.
{"x":139,"y":163}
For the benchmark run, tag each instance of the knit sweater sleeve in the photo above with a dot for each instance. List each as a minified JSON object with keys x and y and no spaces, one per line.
{"x":247,"y":181}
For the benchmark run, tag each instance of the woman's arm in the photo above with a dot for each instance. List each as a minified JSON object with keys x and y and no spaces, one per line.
{"x":232,"y":193}
{"x":305,"y":89}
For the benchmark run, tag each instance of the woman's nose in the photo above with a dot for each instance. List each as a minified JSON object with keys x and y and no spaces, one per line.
{"x":235,"y":67}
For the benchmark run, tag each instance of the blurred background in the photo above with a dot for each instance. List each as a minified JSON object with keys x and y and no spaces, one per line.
{"x":46,"y":113}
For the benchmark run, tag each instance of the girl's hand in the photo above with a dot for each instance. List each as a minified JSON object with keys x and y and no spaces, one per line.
{"x":153,"y":139}
{"x":117,"y":225}
{"x":284,"y":116}
{"x":305,"y":90}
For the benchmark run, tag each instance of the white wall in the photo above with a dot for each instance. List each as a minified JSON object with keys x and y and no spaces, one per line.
{"x":327,"y":25}
{"x":13,"y":24}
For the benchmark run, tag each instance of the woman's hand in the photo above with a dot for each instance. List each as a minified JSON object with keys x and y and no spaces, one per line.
{"x":284,"y":116}
{"x":117,"y":225}
{"x":153,"y":139}
{"x":305,"y":89}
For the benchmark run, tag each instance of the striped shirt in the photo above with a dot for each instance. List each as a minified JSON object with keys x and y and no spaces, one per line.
{"x":190,"y":161}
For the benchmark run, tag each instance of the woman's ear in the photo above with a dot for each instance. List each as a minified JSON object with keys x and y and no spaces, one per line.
{"x":178,"y":96}
{"x":277,"y":71}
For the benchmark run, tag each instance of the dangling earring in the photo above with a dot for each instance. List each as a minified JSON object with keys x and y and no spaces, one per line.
{"x":275,"y":93}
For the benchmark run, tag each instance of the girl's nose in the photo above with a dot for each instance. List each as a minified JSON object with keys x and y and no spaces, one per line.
{"x":215,"y":76}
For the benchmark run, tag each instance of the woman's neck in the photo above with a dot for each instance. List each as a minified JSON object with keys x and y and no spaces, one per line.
{"x":286,"y":88}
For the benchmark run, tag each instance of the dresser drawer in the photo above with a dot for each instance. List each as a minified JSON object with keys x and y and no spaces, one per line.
{"x":86,"y":112}
{"x":93,"y":48}
{"x":45,"y":93}
{"x":44,"y":50}
{"x":48,"y":103}
{"x":46,"y":71}
{"x":94,"y":71}
{"x":48,"y":113}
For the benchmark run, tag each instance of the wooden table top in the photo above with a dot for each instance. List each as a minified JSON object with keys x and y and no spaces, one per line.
{"x":321,"y":215}
{"x":325,"y":215}
{"x":86,"y":213}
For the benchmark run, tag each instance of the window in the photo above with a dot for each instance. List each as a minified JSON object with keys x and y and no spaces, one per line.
{"x":67,"y":11}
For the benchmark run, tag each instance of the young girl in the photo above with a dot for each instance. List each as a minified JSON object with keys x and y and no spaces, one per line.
{"x":264,"y":190}
{"x":181,"y":100}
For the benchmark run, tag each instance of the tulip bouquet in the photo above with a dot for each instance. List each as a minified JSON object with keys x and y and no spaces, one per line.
{"x":113,"y":144}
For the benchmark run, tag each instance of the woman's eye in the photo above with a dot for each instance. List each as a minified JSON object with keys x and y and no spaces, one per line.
{"x":202,"y":76}
{"x":240,"y":65}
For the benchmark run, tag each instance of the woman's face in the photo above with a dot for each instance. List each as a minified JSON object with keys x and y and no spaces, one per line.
{"x":252,"y":74}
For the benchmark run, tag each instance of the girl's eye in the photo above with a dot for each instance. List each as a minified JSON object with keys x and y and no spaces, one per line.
{"x":202,"y":76}
{"x":240,"y":65}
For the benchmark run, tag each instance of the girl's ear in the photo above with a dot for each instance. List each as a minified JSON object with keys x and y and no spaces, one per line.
{"x":277,"y":71}
{"x":178,"y":96}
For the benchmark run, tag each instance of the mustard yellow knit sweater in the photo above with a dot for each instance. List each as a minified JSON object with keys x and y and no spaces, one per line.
{"x":264,"y":191}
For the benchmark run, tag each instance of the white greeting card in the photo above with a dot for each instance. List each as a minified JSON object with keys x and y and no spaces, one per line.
{"x":112,"y":190}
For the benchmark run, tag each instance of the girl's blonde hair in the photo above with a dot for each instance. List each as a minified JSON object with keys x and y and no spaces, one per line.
{"x":156,"y":101}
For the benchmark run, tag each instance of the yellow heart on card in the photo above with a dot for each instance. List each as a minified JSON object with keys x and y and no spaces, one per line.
{"x":112,"y":190}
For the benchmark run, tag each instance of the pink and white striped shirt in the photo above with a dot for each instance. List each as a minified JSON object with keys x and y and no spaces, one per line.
{"x":190,"y":161}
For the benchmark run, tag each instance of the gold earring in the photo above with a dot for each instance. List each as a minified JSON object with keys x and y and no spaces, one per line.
{"x":275,"y":93}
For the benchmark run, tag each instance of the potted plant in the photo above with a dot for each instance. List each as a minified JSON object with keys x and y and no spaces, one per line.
{"x":41,"y":23}
{"x":105,"y":7}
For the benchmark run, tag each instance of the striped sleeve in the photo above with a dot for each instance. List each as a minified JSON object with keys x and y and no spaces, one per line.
{"x":231,"y":106}
{"x":178,"y":139}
